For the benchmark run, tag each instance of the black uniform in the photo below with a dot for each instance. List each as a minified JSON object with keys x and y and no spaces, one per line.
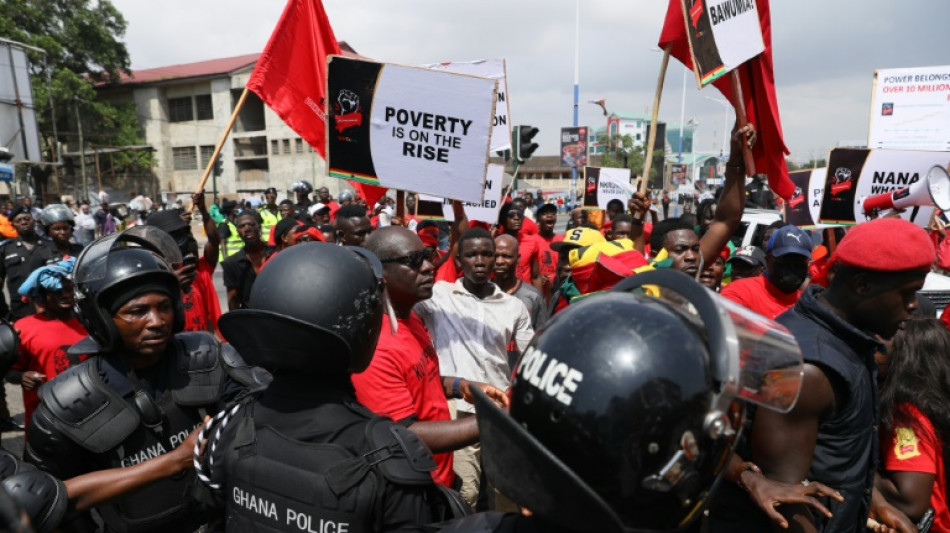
{"x":17,"y":264}
{"x":74,"y":249}
{"x":306,"y":457}
{"x":100,"y":415}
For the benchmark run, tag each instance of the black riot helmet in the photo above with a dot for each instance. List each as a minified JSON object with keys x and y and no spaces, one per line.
{"x":301,"y":186}
{"x":624,"y":405}
{"x":316,"y":308}
{"x":114,"y":269}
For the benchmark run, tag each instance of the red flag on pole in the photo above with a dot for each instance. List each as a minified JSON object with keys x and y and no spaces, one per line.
{"x":758,"y":89}
{"x":291,"y":74}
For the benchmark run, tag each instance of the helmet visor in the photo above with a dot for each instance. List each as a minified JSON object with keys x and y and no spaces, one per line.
{"x":752,"y":358}
{"x":770,"y":366}
{"x":92,"y":263}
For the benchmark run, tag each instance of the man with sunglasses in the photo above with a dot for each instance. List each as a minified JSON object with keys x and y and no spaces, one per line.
{"x":403,"y":380}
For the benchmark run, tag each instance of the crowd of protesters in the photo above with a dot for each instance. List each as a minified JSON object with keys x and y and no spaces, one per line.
{"x":423,"y":323}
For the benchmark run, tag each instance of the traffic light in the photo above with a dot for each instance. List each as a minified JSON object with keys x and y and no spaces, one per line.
{"x":521,"y":142}
{"x":218,"y":166}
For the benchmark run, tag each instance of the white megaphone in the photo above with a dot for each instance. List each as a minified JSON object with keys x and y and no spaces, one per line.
{"x":934,"y":190}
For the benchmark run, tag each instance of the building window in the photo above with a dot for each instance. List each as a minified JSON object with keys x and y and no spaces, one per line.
{"x":203,"y":107}
{"x":185,"y":158}
{"x":206,"y":152}
{"x":286,"y":146}
{"x":179,"y":110}
{"x":309,"y":148}
{"x":299,"y":145}
{"x":275,"y":147}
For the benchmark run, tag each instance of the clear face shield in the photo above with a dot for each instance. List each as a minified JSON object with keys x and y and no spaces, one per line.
{"x":752,"y":358}
{"x":92,"y":263}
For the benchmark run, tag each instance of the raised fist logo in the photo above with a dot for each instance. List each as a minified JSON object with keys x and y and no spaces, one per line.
{"x":347,"y":102}
{"x":842,"y":174}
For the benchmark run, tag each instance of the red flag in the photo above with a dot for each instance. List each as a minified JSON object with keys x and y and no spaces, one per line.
{"x":758,"y":90}
{"x":291,"y":73}
{"x":370,"y":193}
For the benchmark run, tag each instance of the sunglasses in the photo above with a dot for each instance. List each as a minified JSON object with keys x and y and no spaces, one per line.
{"x":516,"y":213}
{"x":413,"y":260}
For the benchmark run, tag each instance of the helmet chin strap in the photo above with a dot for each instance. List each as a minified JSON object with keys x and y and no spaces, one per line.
{"x":393,"y":323}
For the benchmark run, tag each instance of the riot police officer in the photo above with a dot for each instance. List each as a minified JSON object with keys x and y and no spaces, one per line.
{"x":302,"y":190}
{"x":58,"y":224}
{"x":304,"y":455}
{"x":636,"y":436}
{"x":144,"y":390}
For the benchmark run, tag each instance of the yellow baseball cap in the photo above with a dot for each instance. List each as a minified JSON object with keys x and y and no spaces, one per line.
{"x":578,"y":237}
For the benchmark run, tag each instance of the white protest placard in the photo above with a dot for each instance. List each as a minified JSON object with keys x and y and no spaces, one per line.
{"x":409,"y":128}
{"x":492,"y":69}
{"x":601,"y":185}
{"x":484,"y":211}
{"x":722,"y":34}
{"x":855,"y":174}
{"x":910,"y":109}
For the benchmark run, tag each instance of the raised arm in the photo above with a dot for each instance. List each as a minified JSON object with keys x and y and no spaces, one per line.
{"x":731,"y":201}
{"x":211,"y":230}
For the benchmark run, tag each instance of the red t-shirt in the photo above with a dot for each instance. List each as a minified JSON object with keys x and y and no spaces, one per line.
{"x":759,"y":295}
{"x":202,"y":309}
{"x":43,"y":345}
{"x":403,"y":380}
{"x":547,"y":261}
{"x":529,"y":250}
{"x":919,"y":449}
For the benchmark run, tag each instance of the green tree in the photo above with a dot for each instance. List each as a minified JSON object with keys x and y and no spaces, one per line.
{"x":82,"y":40}
{"x":619,"y":146}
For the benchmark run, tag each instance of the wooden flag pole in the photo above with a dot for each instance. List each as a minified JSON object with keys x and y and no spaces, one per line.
{"x":739,"y":103}
{"x":651,"y":140}
{"x":224,"y":137}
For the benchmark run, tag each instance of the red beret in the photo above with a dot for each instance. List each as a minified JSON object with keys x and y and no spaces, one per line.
{"x":886,"y":245}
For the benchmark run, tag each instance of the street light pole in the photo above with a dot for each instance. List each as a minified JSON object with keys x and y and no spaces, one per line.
{"x":679,"y":155}
{"x":577,"y":39}
{"x":725,"y":121}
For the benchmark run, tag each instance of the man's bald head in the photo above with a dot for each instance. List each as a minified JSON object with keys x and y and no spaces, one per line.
{"x":407,"y":283}
{"x":392,"y":241}
{"x":506,"y":257}
{"x":506,"y":240}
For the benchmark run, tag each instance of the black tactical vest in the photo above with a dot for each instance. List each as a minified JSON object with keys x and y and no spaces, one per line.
{"x":272,"y":482}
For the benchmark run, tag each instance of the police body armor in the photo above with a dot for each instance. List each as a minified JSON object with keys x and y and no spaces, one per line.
{"x":276,"y":483}
{"x":233,"y":244}
{"x":121,"y":424}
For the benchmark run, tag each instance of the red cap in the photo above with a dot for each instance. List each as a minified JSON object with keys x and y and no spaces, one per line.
{"x":886,"y":245}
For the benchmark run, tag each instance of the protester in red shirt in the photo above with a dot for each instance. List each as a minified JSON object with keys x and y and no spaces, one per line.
{"x":403,"y":380}
{"x":529,"y":246}
{"x":914,"y":405}
{"x":547,"y":261}
{"x":199,"y":296}
{"x":786,"y":269}
{"x":46,"y":336}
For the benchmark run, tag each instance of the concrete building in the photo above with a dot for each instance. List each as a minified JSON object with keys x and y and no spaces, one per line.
{"x":184,"y":109}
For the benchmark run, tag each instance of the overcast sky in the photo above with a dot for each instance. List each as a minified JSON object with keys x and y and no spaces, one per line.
{"x":825,"y":53}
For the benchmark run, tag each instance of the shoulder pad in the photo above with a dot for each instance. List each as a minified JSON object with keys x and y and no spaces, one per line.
{"x":199,"y":374}
{"x":41,"y":495}
{"x":10,"y":465}
{"x":87,"y":410}
{"x":254,"y":378}
{"x":410,"y":462}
